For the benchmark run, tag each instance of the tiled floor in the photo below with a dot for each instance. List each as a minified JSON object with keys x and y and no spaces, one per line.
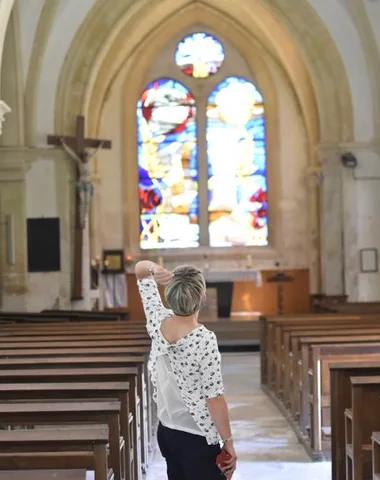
{"x":265,"y":444}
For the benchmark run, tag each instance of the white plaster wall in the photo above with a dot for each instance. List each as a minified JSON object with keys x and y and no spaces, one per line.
{"x":70,"y":15}
{"x":337,"y":19}
{"x":48,"y":190}
{"x":41,"y":198}
{"x":367,"y":189}
{"x":29,"y":15}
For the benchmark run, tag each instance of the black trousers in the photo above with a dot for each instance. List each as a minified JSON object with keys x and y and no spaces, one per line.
{"x":188,"y":456}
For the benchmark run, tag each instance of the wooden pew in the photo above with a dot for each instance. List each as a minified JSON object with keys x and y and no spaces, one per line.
{"x":55,"y":449}
{"x":132,"y":354}
{"x":289,"y":383}
{"x":79,"y":344}
{"x":83,"y":375}
{"x":143,"y":385}
{"x":301,"y":367}
{"x":284,"y":333}
{"x":286,"y":363}
{"x":341,"y":399}
{"x":46,"y":336}
{"x":71,"y":391}
{"x":271,"y":329}
{"x":268,"y":340}
{"x":44,"y":475}
{"x":362,"y":419}
{"x":320,"y":358}
{"x":56,"y":413}
{"x":73,"y":335}
{"x":87,"y":362}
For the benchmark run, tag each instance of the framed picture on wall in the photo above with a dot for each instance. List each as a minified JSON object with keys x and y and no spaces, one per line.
{"x":113,"y":261}
{"x":369,"y":260}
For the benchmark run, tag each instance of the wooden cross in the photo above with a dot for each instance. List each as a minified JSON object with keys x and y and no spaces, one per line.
{"x":77,"y":148}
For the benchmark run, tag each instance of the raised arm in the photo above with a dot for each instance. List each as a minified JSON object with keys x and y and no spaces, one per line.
{"x":70,"y":152}
{"x":148,"y":269}
{"x":149,"y":275}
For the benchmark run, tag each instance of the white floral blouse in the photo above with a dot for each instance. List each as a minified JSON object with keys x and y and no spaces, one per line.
{"x":195,"y":360}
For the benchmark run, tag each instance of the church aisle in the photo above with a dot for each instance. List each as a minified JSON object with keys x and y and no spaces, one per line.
{"x":265,"y":444}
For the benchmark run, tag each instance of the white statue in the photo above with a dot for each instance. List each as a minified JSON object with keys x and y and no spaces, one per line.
{"x":4,"y":109}
{"x":84,"y":185}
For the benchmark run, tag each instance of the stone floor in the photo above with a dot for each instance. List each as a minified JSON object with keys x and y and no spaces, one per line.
{"x":265,"y":444}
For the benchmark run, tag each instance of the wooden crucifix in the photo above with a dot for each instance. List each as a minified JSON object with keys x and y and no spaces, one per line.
{"x":78,"y":149}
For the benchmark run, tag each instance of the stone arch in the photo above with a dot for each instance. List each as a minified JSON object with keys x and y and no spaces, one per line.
{"x":5,"y":12}
{"x":126,"y":38}
{"x":135,"y":71}
{"x":320,"y":80}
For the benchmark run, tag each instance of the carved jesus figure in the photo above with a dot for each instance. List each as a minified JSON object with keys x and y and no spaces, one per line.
{"x":84,"y":186}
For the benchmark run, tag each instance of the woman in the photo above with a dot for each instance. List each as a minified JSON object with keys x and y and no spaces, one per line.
{"x":185,"y":371}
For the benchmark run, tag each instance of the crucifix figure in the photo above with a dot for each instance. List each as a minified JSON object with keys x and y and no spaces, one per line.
{"x":78,"y":149}
{"x":85,"y":188}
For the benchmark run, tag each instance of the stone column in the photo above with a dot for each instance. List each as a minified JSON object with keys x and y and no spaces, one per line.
{"x":4,"y":109}
{"x":331,"y":221}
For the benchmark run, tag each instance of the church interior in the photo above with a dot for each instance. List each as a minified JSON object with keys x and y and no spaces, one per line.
{"x":241,"y":137}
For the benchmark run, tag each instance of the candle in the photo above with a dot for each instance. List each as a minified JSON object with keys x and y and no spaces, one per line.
{"x":160,"y":261}
{"x":249,"y":261}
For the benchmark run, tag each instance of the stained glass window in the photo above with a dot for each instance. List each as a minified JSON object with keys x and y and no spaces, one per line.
{"x":167,"y":161}
{"x":237,"y":181}
{"x":199,"y":55}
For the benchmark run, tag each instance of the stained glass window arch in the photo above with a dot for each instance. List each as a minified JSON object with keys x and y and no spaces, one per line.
{"x":199,"y":55}
{"x":233,"y":209}
{"x":167,"y":162}
{"x":237,"y":167}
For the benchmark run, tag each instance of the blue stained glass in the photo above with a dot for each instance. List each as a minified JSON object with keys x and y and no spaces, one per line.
{"x":199,"y":55}
{"x":237,"y":166}
{"x":168,"y":170}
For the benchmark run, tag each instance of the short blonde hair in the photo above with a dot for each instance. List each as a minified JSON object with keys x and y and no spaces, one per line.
{"x":186,"y":291}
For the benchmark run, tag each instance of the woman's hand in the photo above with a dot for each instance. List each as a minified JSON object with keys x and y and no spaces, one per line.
{"x":229,"y":466}
{"x":161,"y":275}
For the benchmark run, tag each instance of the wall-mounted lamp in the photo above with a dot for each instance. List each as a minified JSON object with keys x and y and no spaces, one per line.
{"x":349,"y":160}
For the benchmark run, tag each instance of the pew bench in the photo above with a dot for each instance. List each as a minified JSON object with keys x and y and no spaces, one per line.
{"x":84,"y":375}
{"x":71,"y":391}
{"x":58,"y":413}
{"x":269,"y":336}
{"x":361,"y":420}
{"x":43,"y":475}
{"x":315,"y":410}
{"x":99,"y":362}
{"x":375,"y":438}
{"x":290,"y":351}
{"x":300,"y":374}
{"x":341,"y":399}
{"x":55,"y":449}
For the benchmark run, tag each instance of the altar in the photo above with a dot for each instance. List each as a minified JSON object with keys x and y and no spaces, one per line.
{"x":223,"y":282}
{"x":241,"y":292}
